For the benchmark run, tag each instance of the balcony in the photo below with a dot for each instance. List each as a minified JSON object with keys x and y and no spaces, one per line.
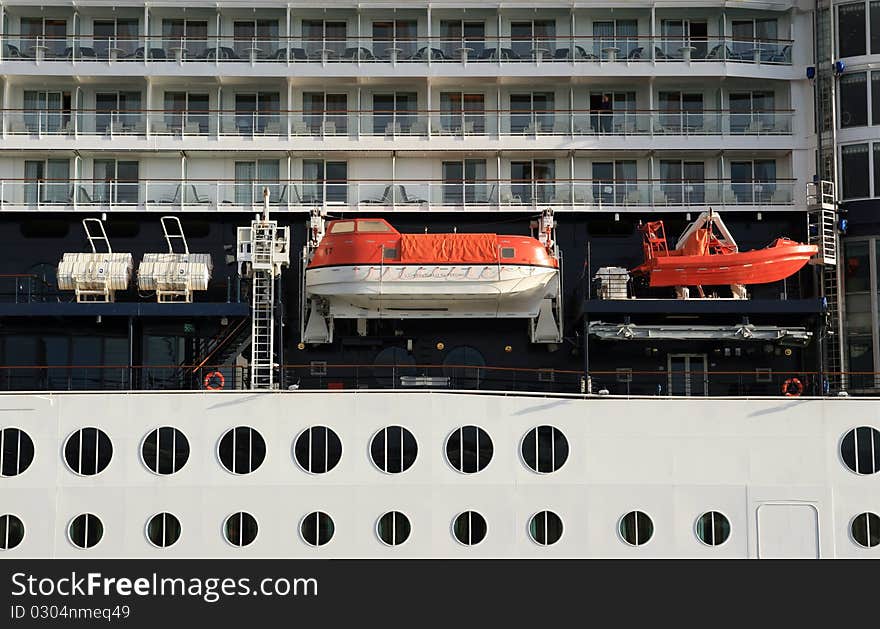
{"x":370,"y":123}
{"x":370,"y":196}
{"x":416,"y":50}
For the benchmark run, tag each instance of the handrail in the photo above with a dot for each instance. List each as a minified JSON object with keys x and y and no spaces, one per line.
{"x":257,"y":181}
{"x":399,"y":112}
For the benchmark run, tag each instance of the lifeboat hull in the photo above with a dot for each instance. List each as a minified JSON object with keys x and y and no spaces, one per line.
{"x":761,"y":266}
{"x":432,"y":290}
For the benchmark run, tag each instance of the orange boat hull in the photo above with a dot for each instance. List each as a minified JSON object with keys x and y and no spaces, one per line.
{"x":761,"y":266}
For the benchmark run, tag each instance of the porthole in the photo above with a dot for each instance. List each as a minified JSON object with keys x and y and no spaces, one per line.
{"x":317,"y":449}
{"x":865,"y":529}
{"x":860,"y":450}
{"x":11,"y":531}
{"x":242,"y":450}
{"x":636,"y":528}
{"x":469,"y":449}
{"x":393,"y":528}
{"x":713,"y":528}
{"x":163,"y":530}
{"x":85,"y":530}
{"x":469,"y":528}
{"x":317,"y":528}
{"x":16,"y":451}
{"x":393,"y":449}
{"x":545,"y":528}
{"x":544,"y":449}
{"x":88,"y":451}
{"x":240,"y":529}
{"x":165,"y":450}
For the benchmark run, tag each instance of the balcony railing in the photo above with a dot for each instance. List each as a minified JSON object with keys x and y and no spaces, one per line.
{"x":420,"y":49}
{"x":421,"y":123}
{"x":399,"y":194}
{"x":710,"y":383}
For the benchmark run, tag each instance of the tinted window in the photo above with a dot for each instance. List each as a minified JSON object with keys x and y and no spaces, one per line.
{"x":854,"y":100}
{"x":317,"y":528}
{"x":85,"y":530}
{"x":11,"y":531}
{"x":240,"y":529}
{"x":851,"y":29}
{"x":860,"y":450}
{"x":165,"y":450}
{"x":393,"y":449}
{"x":163,"y":529}
{"x":636,"y":528}
{"x":16,"y":451}
{"x":856,"y":177}
{"x":242,"y":450}
{"x":545,"y":528}
{"x":317,"y":449}
{"x":713,"y":528}
{"x":544,"y":449}
{"x":88,"y":451}
{"x":469,"y":449}
{"x":469,"y":528}
{"x":865,"y":529}
{"x":393,"y":528}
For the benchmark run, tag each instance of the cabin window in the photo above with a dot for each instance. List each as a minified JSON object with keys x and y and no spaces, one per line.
{"x":163,"y":530}
{"x":85,"y":530}
{"x":545,"y":528}
{"x":317,"y":528}
{"x":469,"y":449}
{"x":865,"y":529}
{"x":713,"y":528}
{"x":317,"y":449}
{"x":393,"y":528}
{"x":507,"y":252}
{"x":763,"y":374}
{"x":242,"y":450}
{"x":165,"y":450}
{"x":636,"y":528}
{"x":12,"y":531}
{"x":373,"y":226}
{"x":393,"y":449}
{"x":469,"y":528}
{"x":624,"y":374}
{"x":389,"y":253}
{"x":860,"y":450}
{"x":343,"y":227}
{"x":544,"y":449}
{"x":240,"y":529}
{"x":16,"y":451}
{"x":88,"y":451}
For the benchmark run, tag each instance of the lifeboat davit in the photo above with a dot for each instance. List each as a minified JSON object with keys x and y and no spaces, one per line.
{"x":707,"y":255}
{"x":366,"y":268}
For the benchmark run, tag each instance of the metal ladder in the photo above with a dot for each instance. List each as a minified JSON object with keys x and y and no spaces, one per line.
{"x":263,"y":307}
{"x":822,"y":231}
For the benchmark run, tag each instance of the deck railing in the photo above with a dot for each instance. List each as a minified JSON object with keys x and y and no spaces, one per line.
{"x":420,"y":123}
{"x":416,"y":49}
{"x":385,"y":194}
{"x":321,"y":376}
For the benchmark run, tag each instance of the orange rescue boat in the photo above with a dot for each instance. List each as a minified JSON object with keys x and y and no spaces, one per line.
{"x":707,"y":255}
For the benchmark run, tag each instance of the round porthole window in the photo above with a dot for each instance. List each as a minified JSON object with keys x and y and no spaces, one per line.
{"x":545,"y":528}
{"x":469,"y":528}
{"x":860,"y":450}
{"x":88,"y":451}
{"x":16,"y":451}
{"x":393,"y":528}
{"x":636,"y":528}
{"x":713,"y":528}
{"x":85,"y":530}
{"x":865,"y":529}
{"x":240,"y":529}
{"x":469,"y":449}
{"x":317,"y":528}
{"x":163,"y":530}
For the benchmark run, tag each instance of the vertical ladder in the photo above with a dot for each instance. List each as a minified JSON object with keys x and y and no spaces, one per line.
{"x":263,"y":306}
{"x":822,"y":231}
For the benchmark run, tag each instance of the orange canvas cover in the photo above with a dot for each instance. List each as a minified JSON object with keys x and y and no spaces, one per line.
{"x":448,"y":248}
{"x":697,"y":244}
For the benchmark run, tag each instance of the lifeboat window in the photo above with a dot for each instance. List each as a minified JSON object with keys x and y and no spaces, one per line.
{"x":242,"y":450}
{"x":508,"y":252}
{"x":165,"y":450}
{"x":469,"y":528}
{"x":12,"y":531}
{"x":373,"y":226}
{"x":16,"y":451}
{"x":389,"y":253}
{"x":317,"y":528}
{"x":163,"y":530}
{"x":88,"y":451}
{"x":342,"y":227}
{"x":545,"y":528}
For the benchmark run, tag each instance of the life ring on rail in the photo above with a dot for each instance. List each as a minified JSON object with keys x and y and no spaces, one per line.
{"x":787,"y":387}
{"x":214,"y":381}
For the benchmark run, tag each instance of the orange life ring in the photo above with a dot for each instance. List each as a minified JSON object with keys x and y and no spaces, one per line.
{"x":209,"y":381}
{"x":786,"y":387}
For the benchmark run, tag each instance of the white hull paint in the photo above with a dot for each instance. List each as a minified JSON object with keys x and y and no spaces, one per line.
{"x":766,"y":464}
{"x":474,"y":290}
